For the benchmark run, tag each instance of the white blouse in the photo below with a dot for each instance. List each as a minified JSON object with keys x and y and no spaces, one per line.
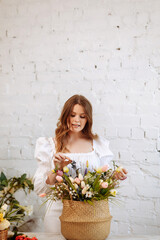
{"x":45,"y":150}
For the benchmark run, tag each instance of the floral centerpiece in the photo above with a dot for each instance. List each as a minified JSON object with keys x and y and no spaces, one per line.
{"x":11,"y":212}
{"x":91,"y":221}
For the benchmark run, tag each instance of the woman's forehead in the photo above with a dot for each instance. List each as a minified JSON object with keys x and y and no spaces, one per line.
{"x":78,"y":109}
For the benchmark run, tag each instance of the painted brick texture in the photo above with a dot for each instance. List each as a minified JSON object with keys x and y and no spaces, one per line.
{"x":106,"y":50}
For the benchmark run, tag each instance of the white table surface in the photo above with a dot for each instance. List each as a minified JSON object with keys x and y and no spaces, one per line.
{"x":50,"y":236}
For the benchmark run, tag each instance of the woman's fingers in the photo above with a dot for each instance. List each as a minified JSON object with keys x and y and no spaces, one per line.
{"x":57,"y":156}
{"x":66,"y":162}
{"x":124,"y":170}
{"x":67,"y":158}
{"x":121,"y":175}
{"x":62,"y":156}
{"x":61,"y":160}
{"x":57,"y":163}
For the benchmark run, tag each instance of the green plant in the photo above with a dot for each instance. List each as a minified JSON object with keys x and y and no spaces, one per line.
{"x":14,"y":212}
{"x":92,"y":186}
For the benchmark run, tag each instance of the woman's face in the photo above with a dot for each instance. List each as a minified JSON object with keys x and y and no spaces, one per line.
{"x":77,"y":119}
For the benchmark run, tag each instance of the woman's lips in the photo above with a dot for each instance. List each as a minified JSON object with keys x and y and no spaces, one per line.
{"x":76,"y":125}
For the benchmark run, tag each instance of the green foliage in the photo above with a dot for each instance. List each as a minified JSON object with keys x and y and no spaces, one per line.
{"x":8,"y":187}
{"x":96,"y":185}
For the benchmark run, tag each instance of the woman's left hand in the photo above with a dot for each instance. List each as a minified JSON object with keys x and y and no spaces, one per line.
{"x":121,"y":175}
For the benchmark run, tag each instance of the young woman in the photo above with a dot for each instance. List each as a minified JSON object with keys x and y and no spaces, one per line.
{"x":73,"y":140}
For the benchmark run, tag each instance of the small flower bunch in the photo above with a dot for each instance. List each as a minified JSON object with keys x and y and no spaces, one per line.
{"x":97,"y":185}
{"x":10,"y":209}
{"x":24,"y":237}
{"x":4,"y":223}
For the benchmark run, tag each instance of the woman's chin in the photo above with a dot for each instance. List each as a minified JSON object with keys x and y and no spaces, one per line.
{"x":73,"y":130}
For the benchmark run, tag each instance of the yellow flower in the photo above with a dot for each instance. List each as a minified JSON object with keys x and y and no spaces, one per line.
{"x":1,"y":217}
{"x":113,"y":192}
{"x":87,"y":164}
{"x":99,"y":170}
{"x":119,"y":169}
{"x":65,"y":169}
{"x":53,"y":170}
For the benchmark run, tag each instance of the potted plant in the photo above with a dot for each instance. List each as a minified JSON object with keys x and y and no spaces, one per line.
{"x":85,"y":214}
{"x":11,"y":212}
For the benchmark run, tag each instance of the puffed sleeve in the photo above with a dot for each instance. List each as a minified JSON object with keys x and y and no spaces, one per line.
{"x":44,"y":152}
{"x":103,"y":151}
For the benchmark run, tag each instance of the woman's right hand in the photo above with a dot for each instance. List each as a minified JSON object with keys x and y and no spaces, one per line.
{"x":60,"y":160}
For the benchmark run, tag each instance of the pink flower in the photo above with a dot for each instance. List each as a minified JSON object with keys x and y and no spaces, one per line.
{"x":59,"y":173}
{"x":104,"y":184}
{"x":105,"y":168}
{"x":77,"y":180}
{"x":42,"y":195}
{"x":59,"y":179}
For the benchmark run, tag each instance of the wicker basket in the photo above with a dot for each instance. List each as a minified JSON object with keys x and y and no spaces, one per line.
{"x":3,"y":234}
{"x":82,"y":221}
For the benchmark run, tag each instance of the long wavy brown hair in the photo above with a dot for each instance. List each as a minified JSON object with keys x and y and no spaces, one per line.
{"x":61,"y":132}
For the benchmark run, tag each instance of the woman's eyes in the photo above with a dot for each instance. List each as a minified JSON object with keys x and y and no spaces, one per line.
{"x":75,"y":115}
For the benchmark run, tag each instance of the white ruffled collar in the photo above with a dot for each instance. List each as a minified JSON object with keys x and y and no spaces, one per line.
{"x":100,"y":146}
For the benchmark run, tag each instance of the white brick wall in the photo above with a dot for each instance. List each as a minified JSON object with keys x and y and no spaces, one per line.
{"x":105,"y":50}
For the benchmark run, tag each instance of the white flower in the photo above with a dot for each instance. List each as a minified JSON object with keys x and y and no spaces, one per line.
{"x":84,"y":190}
{"x":75,"y":185}
{"x":71,"y":179}
{"x":82,"y":184}
{"x":88,"y":194}
{"x":80,"y":176}
{"x":87,"y":186}
{"x":29,"y":210}
{"x":4,"y":224}
{"x":113,"y":192}
{"x":4,"y":207}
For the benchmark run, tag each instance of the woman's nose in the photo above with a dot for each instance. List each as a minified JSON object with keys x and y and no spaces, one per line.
{"x":77,"y":118}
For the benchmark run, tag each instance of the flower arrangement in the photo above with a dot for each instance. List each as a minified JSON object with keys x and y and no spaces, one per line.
{"x":11,"y":212}
{"x":24,"y":237}
{"x":4,"y":223}
{"x":99,"y":184}
{"x":91,"y":221}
